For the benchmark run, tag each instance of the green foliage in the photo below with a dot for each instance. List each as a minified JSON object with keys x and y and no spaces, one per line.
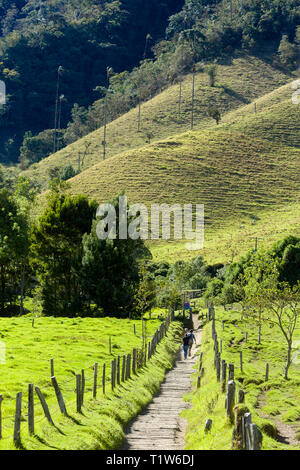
{"x":57,"y":251}
{"x":146,"y":294}
{"x":109,"y":275}
{"x":14,"y":247}
{"x":35,"y":148}
{"x":214,"y":288}
{"x":68,"y":172}
{"x":287,"y":52}
{"x":38,"y":37}
{"x":212,"y":71}
{"x":214,"y":113}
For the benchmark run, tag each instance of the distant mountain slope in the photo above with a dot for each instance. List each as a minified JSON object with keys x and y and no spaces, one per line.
{"x":245,"y":171}
{"x":238,"y":83}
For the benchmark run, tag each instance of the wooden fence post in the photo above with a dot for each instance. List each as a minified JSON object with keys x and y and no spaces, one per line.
{"x":112,"y":364}
{"x":82,"y":386}
{"x":52,"y":367}
{"x":241,"y":396}
{"x":256,"y":437}
{"x":231,"y":372}
{"x":128,"y":366}
{"x":230,"y":400}
{"x":59,"y":396}
{"x":118,"y":370}
{"x":218,"y":366}
{"x":134,"y":361}
{"x":44,"y":405}
{"x":95,"y":380}
{"x":30,"y":409}
{"x":124,"y":369}
{"x":241,"y":360}
{"x":267,"y":372}
{"x":198,"y":381}
{"x":103,"y":379}
{"x":17,"y":427}
{"x":1,"y":400}
{"x":208,"y":425}
{"x":78,"y":393}
{"x":223,"y":375}
{"x":246,"y":427}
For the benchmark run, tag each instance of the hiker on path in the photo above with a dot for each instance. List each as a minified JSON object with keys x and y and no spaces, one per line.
{"x":192,"y":340}
{"x":185,"y":345}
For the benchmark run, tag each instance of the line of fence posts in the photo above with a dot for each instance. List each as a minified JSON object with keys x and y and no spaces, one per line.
{"x":130,"y":365}
{"x":246,"y":434}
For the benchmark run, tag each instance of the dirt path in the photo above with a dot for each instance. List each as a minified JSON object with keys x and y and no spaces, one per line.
{"x":286,"y":432}
{"x":159,"y":426}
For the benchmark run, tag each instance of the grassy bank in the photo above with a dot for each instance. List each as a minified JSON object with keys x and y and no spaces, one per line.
{"x":275,"y":404}
{"x":76,"y":344}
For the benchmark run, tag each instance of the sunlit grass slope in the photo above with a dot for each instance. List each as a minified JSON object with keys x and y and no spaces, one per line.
{"x":273,"y":404}
{"x":231,"y":239}
{"x":76,"y":344}
{"x":239,"y":82}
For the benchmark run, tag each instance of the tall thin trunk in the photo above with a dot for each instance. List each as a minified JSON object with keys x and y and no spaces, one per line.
{"x":193,"y":98}
{"x":288,"y":360}
{"x":105,"y":121}
{"x":180,"y":95}
{"x":56,"y":111}
{"x":139,"y":115}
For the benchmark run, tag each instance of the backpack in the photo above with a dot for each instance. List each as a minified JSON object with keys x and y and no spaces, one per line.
{"x":190,"y":337}
{"x":186,"y":340}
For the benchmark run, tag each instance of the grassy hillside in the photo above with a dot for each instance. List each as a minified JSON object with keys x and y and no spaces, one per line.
{"x":231,"y":239}
{"x":238,"y":83}
{"x":76,"y":344}
{"x":274,"y":405}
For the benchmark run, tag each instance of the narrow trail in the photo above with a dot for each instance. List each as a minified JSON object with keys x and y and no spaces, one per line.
{"x":159,"y":426}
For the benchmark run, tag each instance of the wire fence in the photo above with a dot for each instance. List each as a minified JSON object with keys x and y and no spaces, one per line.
{"x":90,"y":379}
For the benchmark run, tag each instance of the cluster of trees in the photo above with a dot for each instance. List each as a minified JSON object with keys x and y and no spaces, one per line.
{"x":77,"y":273}
{"x":226,"y":288}
{"x":267,"y":284}
{"x":202,"y":30}
{"x":89,"y":37}
{"x":84,"y":37}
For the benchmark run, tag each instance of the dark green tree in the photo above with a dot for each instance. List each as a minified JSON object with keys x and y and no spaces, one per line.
{"x":57,"y":252}
{"x":14,"y":248}
{"x":110,"y":270}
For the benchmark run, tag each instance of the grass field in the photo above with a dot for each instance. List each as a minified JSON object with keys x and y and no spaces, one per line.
{"x":239,"y":82}
{"x":230,"y":239}
{"x":274,"y":405}
{"x":76,"y":344}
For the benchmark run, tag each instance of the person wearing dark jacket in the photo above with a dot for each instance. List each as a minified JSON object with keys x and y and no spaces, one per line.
{"x":185,"y":345}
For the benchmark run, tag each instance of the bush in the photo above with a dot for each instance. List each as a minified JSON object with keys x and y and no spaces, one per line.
{"x":268,"y":428}
{"x":68,"y":172}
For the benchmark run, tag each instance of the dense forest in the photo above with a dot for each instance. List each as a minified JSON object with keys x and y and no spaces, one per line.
{"x":124,"y":51}
{"x":82,"y":37}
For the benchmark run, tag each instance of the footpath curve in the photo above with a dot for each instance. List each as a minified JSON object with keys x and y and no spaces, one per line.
{"x":159,"y":426}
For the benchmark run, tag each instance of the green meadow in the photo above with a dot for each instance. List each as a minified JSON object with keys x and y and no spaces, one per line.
{"x":274,"y":404}
{"x":76,"y":344}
